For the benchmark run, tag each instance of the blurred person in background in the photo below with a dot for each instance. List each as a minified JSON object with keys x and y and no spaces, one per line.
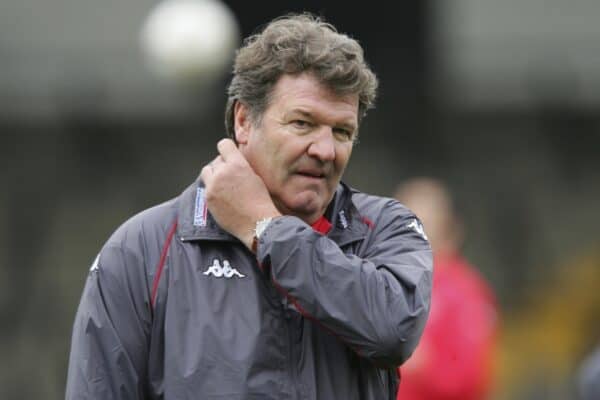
{"x":267,"y":278}
{"x":454,"y":359}
{"x":588,"y":376}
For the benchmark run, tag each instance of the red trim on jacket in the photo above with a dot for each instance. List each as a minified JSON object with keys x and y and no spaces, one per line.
{"x":161,"y":263}
{"x":322,"y":225}
{"x":308,"y":316}
{"x":369,"y":223}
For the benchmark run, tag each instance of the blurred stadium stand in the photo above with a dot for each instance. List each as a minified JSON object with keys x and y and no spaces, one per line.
{"x":499,"y":99}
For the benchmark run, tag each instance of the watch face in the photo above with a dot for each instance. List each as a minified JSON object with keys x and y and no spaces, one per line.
{"x":261,"y":226}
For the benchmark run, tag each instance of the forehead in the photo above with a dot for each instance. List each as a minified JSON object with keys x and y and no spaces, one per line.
{"x":305,"y":93}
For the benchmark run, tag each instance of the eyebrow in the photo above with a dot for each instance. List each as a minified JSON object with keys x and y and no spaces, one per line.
{"x":345,"y":125}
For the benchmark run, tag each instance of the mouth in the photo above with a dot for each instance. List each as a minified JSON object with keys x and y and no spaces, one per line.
{"x":312,"y":175}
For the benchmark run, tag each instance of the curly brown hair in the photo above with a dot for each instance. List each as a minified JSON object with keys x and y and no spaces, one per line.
{"x":293,"y":44}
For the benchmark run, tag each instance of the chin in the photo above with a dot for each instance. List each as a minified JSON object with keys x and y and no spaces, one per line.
{"x":302,"y":203}
{"x":306,"y":211}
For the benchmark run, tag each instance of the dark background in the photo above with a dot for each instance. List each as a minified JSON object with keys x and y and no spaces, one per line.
{"x":88,"y":137}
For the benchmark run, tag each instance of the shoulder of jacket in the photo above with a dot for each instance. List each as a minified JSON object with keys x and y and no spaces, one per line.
{"x":134,"y":249}
{"x":376,"y":207}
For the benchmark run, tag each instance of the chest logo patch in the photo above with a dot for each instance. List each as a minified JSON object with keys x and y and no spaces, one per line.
{"x":223,"y":271}
{"x":200,"y":208}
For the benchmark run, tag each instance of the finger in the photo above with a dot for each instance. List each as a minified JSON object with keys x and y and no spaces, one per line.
{"x":208,"y":170}
{"x":216,"y":162}
{"x":206,"y":174}
{"x":228,"y":150}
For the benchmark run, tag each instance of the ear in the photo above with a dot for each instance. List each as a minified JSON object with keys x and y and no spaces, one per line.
{"x":241,"y":122}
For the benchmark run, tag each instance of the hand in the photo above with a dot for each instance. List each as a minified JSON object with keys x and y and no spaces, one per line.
{"x":235,"y":195}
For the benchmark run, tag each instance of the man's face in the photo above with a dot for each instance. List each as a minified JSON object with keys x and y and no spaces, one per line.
{"x":302,"y":144}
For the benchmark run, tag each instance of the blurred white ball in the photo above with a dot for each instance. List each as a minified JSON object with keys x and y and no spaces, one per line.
{"x":190,"y":41}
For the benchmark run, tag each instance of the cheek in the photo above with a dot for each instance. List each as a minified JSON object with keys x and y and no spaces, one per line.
{"x":287,"y":155}
{"x":342,"y":158}
{"x":275,"y":166}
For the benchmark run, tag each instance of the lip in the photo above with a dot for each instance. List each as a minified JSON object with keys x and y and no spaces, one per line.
{"x":311,"y":174}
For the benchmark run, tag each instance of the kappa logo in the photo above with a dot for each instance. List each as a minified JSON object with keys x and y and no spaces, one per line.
{"x":225,"y":271}
{"x":417,"y":227}
{"x":94,"y":266}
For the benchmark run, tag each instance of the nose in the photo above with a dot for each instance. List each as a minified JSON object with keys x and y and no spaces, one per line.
{"x":322,"y":145}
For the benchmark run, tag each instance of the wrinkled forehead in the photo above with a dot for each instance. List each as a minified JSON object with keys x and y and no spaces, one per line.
{"x":305,"y":93}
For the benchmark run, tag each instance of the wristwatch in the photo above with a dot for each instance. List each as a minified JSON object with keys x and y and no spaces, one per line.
{"x":260,"y":227}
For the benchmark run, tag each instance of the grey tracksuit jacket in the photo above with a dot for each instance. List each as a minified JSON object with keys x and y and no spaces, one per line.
{"x":176,"y":308}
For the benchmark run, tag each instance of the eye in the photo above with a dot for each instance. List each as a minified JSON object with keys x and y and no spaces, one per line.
{"x":300,"y":124}
{"x":343,"y":134}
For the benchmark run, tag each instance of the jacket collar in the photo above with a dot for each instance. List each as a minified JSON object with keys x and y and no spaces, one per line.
{"x":347,"y":223}
{"x":194,"y":221}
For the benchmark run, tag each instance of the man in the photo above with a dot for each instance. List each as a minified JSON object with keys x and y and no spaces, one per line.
{"x":454,"y":358}
{"x":267,"y":278}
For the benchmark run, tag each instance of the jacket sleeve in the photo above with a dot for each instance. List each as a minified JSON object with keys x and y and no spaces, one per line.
{"x":110,"y":334}
{"x":588,"y":376}
{"x":377,"y":303}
